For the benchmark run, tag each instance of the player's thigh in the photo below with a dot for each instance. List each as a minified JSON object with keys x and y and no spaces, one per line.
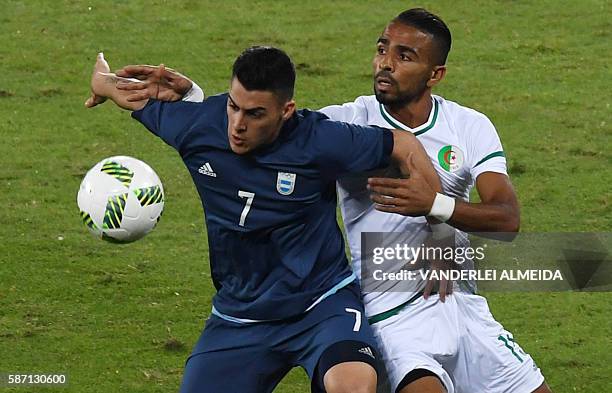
{"x":415,"y":341}
{"x":341,"y":335}
{"x":227,"y":358}
{"x":350,"y":376}
{"x":231,"y":371}
{"x":490,"y":359}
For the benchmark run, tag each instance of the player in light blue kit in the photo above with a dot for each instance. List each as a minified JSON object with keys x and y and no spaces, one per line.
{"x":266,"y":176}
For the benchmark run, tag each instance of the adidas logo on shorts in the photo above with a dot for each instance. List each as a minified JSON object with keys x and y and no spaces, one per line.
{"x":367,"y":351}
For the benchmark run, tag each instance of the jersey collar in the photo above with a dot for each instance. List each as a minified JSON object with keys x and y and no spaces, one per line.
{"x":431,"y":121}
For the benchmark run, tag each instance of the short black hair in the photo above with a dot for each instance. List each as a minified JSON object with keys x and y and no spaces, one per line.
{"x":427,"y":22}
{"x":265,"y":68}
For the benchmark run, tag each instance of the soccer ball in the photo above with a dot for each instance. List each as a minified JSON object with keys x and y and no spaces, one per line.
{"x":121,"y":199}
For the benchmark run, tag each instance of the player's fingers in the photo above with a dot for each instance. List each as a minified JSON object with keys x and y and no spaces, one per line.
{"x":159,"y":73}
{"x":442,"y":290}
{"x":385,"y":182}
{"x":136,"y":71}
{"x":428,"y":288}
{"x":131,"y":85}
{"x":168,"y":96}
{"x":172,"y":76}
{"x":138,"y":97}
{"x":385,"y":200}
{"x":388,"y":191}
{"x":139,"y":77}
{"x":94,"y":100}
{"x":411,"y":166}
{"x":387,"y":208}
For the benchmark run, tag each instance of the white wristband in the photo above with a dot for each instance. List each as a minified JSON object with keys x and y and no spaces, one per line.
{"x":442,"y":207}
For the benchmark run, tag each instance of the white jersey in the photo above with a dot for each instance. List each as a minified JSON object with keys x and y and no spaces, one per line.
{"x":461,"y":142}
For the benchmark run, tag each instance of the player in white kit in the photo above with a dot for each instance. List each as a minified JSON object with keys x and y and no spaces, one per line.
{"x":431,"y":345}
{"x":440,"y":343}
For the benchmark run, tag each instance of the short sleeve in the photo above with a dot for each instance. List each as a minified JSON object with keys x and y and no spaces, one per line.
{"x":170,"y":121}
{"x":486,"y":153}
{"x":347,"y":148}
{"x":350,"y":112}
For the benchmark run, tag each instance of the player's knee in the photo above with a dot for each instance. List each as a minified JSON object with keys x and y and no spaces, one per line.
{"x":350,"y":377}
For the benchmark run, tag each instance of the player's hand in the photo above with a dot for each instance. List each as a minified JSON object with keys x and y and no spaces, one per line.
{"x":159,"y":82}
{"x":100,"y":68}
{"x":408,"y":197}
{"x":443,"y":286}
{"x":441,"y":243}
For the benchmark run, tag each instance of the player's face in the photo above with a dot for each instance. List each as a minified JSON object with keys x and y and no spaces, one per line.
{"x":403,"y":65}
{"x":255,"y":117}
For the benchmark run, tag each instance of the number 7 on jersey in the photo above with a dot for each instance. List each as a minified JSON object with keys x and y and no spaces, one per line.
{"x":247,"y":206}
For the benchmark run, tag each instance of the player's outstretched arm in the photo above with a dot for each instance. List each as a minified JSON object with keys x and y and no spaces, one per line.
{"x":104,"y":86}
{"x":414,"y":195}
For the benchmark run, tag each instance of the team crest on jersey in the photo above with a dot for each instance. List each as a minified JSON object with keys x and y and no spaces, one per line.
{"x":450,"y":158}
{"x":285,"y":183}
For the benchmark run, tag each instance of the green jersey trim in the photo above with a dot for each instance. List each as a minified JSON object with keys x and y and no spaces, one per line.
{"x":394,"y":311}
{"x":423,"y":128}
{"x":494,"y":154}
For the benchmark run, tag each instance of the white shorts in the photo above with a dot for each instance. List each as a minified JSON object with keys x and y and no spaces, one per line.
{"x":460,"y":342}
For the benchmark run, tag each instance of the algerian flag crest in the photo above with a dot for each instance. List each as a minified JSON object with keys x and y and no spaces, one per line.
{"x":450,"y":158}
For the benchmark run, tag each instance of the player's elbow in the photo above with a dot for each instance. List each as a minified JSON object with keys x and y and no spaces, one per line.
{"x":513,"y":226}
{"x":510,"y":227}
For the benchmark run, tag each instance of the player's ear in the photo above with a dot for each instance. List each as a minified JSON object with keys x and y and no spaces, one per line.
{"x":437,"y":74}
{"x":288,"y":109}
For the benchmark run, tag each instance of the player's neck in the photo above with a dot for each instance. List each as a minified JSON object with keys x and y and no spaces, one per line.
{"x":414,"y":113}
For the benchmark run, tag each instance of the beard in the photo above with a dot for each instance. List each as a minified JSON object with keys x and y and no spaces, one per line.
{"x":397,"y":98}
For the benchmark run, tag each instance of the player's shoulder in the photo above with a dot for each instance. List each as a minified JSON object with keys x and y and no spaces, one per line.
{"x":307,"y":125}
{"x":461,"y":113}
{"x":362,"y":101}
{"x":310,"y":118}
{"x":325,"y":132}
{"x":368,"y":103}
{"x":463,"y":118}
{"x":216,"y":100}
{"x":367,"y":100}
{"x":355,"y":111}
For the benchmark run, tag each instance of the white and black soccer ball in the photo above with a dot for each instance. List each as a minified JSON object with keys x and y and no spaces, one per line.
{"x":121,"y":199}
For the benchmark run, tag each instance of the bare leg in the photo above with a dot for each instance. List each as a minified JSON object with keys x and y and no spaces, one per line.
{"x":543,"y":389}
{"x":424,"y":385}
{"x":350,"y":377}
{"x":103,"y":86}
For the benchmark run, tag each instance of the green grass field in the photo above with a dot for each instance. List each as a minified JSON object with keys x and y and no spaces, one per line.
{"x":124,"y":318}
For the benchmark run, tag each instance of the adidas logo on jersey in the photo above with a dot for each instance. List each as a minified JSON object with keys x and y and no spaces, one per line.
{"x":207,"y":170}
{"x":367,"y":351}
